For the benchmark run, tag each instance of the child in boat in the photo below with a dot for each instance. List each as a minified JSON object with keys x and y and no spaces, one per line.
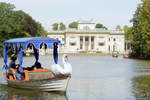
{"x":12,"y":66}
{"x":19,"y":75}
{"x":12,"y":63}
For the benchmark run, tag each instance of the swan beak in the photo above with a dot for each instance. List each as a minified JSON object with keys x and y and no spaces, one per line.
{"x":66,"y":57}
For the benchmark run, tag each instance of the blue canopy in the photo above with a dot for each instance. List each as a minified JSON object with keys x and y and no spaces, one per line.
{"x":22,"y":44}
{"x":36,"y":41}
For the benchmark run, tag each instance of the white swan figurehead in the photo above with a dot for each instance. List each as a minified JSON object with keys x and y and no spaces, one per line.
{"x":67,"y":65}
{"x":65,"y":69}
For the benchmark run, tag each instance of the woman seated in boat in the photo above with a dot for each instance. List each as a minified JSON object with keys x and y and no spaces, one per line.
{"x":30,"y":68}
{"x":12,"y":66}
{"x":37,"y":65}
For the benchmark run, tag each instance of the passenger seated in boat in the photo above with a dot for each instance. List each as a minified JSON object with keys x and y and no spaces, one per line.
{"x":12,"y":66}
{"x":38,"y":65}
{"x":30,"y":68}
{"x":12,"y":63}
{"x":19,"y":75}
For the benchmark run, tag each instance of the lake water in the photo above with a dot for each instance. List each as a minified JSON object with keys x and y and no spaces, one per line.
{"x":93,"y":78}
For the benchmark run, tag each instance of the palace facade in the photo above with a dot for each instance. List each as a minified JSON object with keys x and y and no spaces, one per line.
{"x":89,"y":39}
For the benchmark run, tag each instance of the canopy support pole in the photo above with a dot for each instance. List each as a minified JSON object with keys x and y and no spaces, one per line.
{"x":20,"y":60}
{"x":55,"y":53}
{"x":5,"y":56}
{"x":36,"y":54}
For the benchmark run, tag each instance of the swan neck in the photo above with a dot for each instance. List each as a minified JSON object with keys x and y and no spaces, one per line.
{"x":63,"y":60}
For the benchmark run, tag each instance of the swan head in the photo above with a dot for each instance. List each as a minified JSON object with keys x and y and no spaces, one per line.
{"x":65,"y":57}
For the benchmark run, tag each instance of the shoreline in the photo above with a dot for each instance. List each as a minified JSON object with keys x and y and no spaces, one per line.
{"x":78,"y":54}
{"x":85,"y":54}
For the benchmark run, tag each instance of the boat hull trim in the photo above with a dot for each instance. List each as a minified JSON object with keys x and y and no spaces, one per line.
{"x":55,"y":84}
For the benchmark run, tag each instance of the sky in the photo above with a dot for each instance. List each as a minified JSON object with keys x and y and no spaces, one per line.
{"x":110,"y":13}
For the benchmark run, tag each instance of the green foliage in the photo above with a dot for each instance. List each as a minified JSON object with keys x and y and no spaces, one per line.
{"x":14,"y":24}
{"x":5,"y":9}
{"x":118,"y":27}
{"x":140,"y":31}
{"x":55,"y":26}
{"x":101,"y":26}
{"x":40,"y":30}
{"x":128,"y":33}
{"x":73,"y":25}
{"x":62,"y":26}
{"x":115,"y":52}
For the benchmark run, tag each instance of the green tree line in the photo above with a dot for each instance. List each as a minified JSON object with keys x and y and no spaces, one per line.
{"x":139,"y":33}
{"x":62,"y":26}
{"x":17,"y":23}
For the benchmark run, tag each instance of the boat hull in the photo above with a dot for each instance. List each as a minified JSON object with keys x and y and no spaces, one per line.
{"x":58,"y":84}
{"x":140,"y":58}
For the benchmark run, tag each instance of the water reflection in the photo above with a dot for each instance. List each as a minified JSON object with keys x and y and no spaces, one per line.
{"x":8,"y":93}
{"x":141,"y":87}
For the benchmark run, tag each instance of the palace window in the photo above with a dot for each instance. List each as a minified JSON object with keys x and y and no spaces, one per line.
{"x":92,"y":46}
{"x":113,"y":47}
{"x":101,"y":44}
{"x":86,"y":38}
{"x":92,"y":38}
{"x":72,"y":44}
{"x":81,"y":46}
{"x":81,"y":42}
{"x":81,"y":38}
{"x":114,"y":39}
{"x":109,"y":48}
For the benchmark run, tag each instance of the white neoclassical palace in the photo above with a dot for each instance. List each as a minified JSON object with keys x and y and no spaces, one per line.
{"x":89,"y":39}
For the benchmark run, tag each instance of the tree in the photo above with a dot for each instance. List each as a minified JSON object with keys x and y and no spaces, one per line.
{"x":55,"y":26}
{"x":9,"y":23}
{"x":101,"y":26}
{"x":118,"y":27}
{"x":144,"y":26}
{"x":125,"y":28}
{"x":14,"y":24}
{"x":40,"y":31}
{"x":137,"y":34}
{"x":128,"y":32}
{"x":62,"y":26}
{"x":141,"y":30}
{"x":30,"y":26}
{"x":5,"y":8}
{"x":73,"y":25}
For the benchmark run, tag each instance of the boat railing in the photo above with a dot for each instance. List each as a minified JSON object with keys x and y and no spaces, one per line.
{"x":37,"y":74}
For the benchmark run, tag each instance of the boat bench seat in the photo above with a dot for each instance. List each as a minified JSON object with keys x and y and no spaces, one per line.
{"x":38,"y":74}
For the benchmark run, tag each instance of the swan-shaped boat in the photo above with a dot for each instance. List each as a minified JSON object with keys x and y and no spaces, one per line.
{"x":41,"y":79}
{"x":62,"y":70}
